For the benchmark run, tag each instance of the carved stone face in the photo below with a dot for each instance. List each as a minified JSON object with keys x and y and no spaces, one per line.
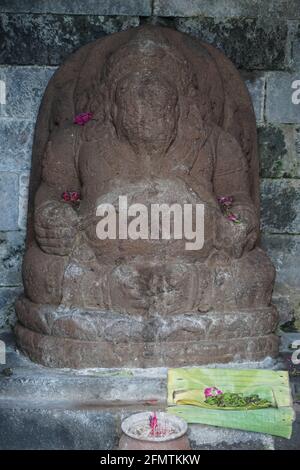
{"x":145,"y":112}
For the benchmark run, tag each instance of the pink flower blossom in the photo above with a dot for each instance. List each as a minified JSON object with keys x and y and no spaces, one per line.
{"x":74,"y":196}
{"x":226,"y":203}
{"x":71,"y":196}
{"x":83,"y":118}
{"x":225,"y":200}
{"x":66,"y":196}
{"x":233,"y":218}
{"x":212,"y":392}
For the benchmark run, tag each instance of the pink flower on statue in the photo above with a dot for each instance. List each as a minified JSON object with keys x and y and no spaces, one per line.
{"x":74,"y":196}
{"x":212,"y":392}
{"x":233,"y":218}
{"x":83,"y":118}
{"x":66,"y":196}
{"x":225,"y":201}
{"x":71,"y":196}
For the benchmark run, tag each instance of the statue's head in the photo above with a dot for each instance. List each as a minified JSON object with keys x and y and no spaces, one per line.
{"x":142,"y":83}
{"x":145,"y":110}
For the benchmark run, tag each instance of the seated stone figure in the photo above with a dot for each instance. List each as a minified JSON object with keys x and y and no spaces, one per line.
{"x":170,"y":122}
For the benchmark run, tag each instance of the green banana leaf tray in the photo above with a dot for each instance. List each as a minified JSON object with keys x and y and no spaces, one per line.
{"x":186,"y":398}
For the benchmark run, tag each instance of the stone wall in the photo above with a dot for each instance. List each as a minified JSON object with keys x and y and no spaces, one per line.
{"x":261,"y":37}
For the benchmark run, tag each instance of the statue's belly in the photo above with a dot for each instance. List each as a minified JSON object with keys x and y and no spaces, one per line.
{"x":146,"y":232}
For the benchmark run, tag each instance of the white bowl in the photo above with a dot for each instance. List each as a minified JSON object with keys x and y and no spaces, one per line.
{"x":140,"y":420}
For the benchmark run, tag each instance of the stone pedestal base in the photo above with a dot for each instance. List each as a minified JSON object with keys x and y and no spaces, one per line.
{"x":65,"y":337}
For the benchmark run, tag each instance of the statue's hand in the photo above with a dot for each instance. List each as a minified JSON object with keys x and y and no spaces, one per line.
{"x":56,"y":225}
{"x":235,"y":238}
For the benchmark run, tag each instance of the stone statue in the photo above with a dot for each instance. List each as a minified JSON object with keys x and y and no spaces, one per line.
{"x":167,"y":120}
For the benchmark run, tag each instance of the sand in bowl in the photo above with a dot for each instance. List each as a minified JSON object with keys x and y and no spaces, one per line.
{"x":154,"y":431}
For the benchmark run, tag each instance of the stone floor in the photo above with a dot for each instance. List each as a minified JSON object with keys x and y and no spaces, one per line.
{"x":43,"y":408}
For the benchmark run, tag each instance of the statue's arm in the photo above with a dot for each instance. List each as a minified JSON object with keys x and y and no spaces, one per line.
{"x":231,"y":178}
{"x":56,"y":221}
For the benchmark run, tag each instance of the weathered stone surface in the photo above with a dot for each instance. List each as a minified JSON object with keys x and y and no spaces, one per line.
{"x":250,"y":43}
{"x":296,"y":46}
{"x":23,"y":200}
{"x":141,"y":300}
{"x":79,"y":7}
{"x":9,"y":201}
{"x":24,"y":89}
{"x":15,"y":144}
{"x":286,"y":305}
{"x":227,"y":8}
{"x":287,"y":339}
{"x":102,"y":387}
{"x":296,"y":54}
{"x":52,"y":37}
{"x":204,"y":437}
{"x":294,"y":37}
{"x":280,"y":201}
{"x":279,"y":151}
{"x":56,"y":429}
{"x":284,"y":250}
{"x":285,"y":253}
{"x":8,"y":296}
{"x":115,"y":387}
{"x":97,"y":325}
{"x":256,"y":88}
{"x":11,"y":252}
{"x":280,"y":107}
{"x":83,"y":409}
{"x":54,"y":351}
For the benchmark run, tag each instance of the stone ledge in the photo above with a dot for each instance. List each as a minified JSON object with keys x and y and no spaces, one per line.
{"x":229,"y":8}
{"x":105,"y":325}
{"x":216,"y":8}
{"x":27,"y":428}
{"x":53,"y":351}
{"x":63,"y":427}
{"x":9,"y":200}
{"x":95,"y":386}
{"x":44,"y":408}
{"x":79,"y":7}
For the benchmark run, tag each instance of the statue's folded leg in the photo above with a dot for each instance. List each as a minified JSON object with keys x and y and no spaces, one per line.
{"x":48,"y":270}
{"x":238,"y":325}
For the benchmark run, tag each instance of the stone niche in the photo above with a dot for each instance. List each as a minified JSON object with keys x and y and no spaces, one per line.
{"x":170,"y":121}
